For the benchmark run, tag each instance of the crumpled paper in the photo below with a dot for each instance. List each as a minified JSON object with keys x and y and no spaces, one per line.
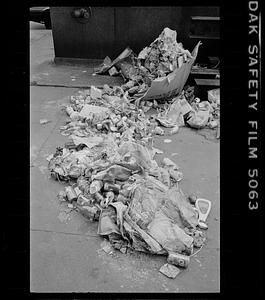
{"x":137,"y":202}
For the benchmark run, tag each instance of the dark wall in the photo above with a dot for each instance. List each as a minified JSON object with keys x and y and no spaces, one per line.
{"x":111,"y":29}
{"x":139,"y":26}
{"x":77,"y":40}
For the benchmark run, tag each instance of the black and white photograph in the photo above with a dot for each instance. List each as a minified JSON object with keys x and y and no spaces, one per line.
{"x":134,"y":151}
{"x":124,"y":149}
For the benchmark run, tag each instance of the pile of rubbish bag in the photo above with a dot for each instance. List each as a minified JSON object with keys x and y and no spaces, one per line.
{"x":109,"y":166}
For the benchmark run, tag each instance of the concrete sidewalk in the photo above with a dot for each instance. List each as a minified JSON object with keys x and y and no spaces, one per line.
{"x":66,"y":255}
{"x":44,"y":71}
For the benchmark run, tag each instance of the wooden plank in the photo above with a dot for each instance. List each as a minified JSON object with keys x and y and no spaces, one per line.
{"x":202,"y":81}
{"x":205,"y":18}
{"x":193,"y":36}
{"x":204,"y":71}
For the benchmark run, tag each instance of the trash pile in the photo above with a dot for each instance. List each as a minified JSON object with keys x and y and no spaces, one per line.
{"x":113,"y":178}
{"x":203,"y":113}
{"x":159,"y":71}
{"x":164,"y":55}
{"x":160,"y":58}
{"x":108,"y":111}
{"x":158,"y":74}
{"x":109,"y":166}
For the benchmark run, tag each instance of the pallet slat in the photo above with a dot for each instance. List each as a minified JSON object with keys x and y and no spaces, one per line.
{"x":202,"y":81}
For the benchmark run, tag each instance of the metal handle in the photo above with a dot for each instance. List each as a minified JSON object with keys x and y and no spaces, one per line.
{"x":81,"y":14}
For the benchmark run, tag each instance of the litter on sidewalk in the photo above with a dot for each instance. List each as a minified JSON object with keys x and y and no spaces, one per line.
{"x":114,"y":179}
{"x":169,"y":270}
{"x":44,"y":121}
{"x":109,"y":162}
{"x":158,"y":74}
{"x":159,"y":71}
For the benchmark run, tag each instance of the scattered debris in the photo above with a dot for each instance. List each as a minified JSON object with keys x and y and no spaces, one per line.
{"x":159,"y":71}
{"x":109,"y":163}
{"x":64,"y":216}
{"x":178,"y":259}
{"x":123,"y":250}
{"x":70,"y":194}
{"x":167,"y":141}
{"x":214,"y":96}
{"x":95,"y":93}
{"x":168,"y":163}
{"x":199,"y":239}
{"x":174,"y":154}
{"x":44,"y":121}
{"x":204,"y":207}
{"x":169,"y":270}
{"x":174,"y":130}
{"x":192,"y":198}
{"x":106,"y":247}
{"x":49,"y":157}
{"x":116,"y":181}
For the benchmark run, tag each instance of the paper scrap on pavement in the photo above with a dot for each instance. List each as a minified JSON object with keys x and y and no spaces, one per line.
{"x":44,"y":121}
{"x":157,"y":151}
{"x":167,"y":141}
{"x":174,"y":154}
{"x":95,"y":93}
{"x":89,"y":110}
{"x":169,"y":270}
{"x":49,"y":157}
{"x":90,"y":142}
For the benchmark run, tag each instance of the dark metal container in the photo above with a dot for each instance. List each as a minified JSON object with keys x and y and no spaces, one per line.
{"x":107,"y":31}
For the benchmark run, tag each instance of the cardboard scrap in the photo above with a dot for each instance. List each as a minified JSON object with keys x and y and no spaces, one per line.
{"x":167,"y":141}
{"x":95,"y":93}
{"x":113,"y":71}
{"x":169,"y":270}
{"x":90,"y":142}
{"x":173,"y":83}
{"x":106,"y":247}
{"x":44,"y":121}
{"x":92,"y":110}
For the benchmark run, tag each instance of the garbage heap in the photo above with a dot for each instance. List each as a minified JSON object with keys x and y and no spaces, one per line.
{"x":158,"y":74}
{"x":163,"y":61}
{"x":113,"y":178}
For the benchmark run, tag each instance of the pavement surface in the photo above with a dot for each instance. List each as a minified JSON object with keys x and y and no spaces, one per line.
{"x":65,"y":251}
